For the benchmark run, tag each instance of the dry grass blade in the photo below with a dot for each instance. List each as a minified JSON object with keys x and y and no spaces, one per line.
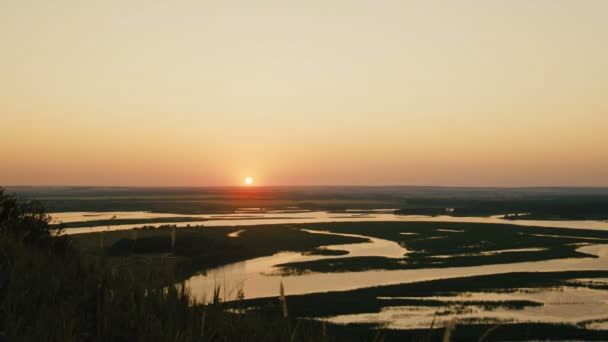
{"x":487,"y":333}
{"x":283,"y":300}
{"x":448,"y":330}
{"x":428,"y":337}
{"x":433,"y":321}
{"x":378,"y":337}
{"x":173,"y":237}
{"x":292,"y":336}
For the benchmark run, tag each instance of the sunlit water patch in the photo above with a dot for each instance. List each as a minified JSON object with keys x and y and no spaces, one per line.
{"x":260,"y":277}
{"x":294,"y":217}
{"x":486,"y":253}
{"x":235,"y":234}
{"x":562,"y":305}
{"x":451,"y":230}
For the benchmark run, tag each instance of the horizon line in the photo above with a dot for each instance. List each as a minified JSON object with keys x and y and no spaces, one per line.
{"x":311,"y":186}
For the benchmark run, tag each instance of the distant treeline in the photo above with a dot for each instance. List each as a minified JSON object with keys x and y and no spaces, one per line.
{"x":556,"y":208}
{"x":467,"y":201}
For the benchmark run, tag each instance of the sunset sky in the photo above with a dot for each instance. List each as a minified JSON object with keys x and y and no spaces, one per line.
{"x":327,"y":92}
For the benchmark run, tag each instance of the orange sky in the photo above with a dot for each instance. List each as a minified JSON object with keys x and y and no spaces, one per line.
{"x":194,"y":92}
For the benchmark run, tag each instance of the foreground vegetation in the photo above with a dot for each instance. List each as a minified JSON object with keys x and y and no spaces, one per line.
{"x":49,"y":291}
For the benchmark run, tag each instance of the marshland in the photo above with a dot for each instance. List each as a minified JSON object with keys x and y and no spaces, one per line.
{"x":355,"y":271}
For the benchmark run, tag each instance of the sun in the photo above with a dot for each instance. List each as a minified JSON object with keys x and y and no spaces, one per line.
{"x":248,"y":180}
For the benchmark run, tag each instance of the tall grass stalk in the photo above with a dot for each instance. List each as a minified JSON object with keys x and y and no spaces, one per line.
{"x":487,"y":333}
{"x":173,"y":238}
{"x":283,"y":300}
{"x":447,"y":334}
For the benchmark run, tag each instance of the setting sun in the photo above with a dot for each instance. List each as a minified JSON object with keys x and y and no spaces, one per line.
{"x":248,"y":180}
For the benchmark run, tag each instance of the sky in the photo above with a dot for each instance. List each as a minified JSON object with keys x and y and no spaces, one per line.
{"x":315,"y":92}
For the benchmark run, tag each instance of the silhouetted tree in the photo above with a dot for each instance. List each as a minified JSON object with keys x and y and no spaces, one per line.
{"x":25,"y":221}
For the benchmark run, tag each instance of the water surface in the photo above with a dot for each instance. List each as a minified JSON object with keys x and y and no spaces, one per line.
{"x":294,"y":217}
{"x":260,"y":277}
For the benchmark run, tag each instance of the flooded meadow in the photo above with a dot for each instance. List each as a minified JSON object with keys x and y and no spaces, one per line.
{"x":396,"y":250}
